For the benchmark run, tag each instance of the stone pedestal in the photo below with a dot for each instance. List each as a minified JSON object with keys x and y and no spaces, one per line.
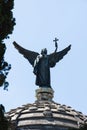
{"x":44,"y":93}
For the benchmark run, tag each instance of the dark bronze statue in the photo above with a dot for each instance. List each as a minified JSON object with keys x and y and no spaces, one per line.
{"x":42,"y":62}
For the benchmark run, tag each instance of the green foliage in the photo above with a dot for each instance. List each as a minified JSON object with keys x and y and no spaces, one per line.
{"x":4,"y":67}
{"x":7,"y":23}
{"x":3,"y":121}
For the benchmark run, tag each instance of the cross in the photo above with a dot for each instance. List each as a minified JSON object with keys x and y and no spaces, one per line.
{"x":55,"y":40}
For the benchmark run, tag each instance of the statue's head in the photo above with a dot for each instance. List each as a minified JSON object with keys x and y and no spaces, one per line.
{"x":44,"y":51}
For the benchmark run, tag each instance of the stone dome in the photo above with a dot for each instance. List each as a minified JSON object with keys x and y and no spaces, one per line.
{"x":45,"y":114}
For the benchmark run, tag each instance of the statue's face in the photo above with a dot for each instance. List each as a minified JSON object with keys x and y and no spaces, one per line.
{"x":44,"y":51}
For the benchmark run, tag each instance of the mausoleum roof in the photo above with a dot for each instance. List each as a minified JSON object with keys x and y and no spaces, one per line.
{"x":44,"y":113}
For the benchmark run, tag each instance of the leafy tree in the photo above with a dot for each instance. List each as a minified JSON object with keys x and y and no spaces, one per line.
{"x":7,"y":23}
{"x":3,"y":121}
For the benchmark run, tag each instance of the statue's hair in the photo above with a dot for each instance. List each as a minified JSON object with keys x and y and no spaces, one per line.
{"x":44,"y":51}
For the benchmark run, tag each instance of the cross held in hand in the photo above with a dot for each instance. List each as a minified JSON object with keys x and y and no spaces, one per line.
{"x":55,"y":40}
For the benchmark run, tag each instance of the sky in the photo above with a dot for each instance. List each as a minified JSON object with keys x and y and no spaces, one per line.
{"x":38,"y":22}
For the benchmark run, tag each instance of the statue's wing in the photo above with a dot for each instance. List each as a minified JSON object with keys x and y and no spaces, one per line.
{"x":30,"y":55}
{"x":56,"y":57}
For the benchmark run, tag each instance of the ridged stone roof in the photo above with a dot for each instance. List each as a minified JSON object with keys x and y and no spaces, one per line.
{"x":46,"y":114}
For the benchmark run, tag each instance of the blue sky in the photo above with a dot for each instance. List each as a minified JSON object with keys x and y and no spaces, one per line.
{"x":38,"y":22}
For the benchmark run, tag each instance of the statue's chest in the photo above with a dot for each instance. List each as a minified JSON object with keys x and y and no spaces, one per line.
{"x":44,"y":62}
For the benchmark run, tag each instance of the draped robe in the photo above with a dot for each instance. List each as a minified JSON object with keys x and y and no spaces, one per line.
{"x":42,"y":71}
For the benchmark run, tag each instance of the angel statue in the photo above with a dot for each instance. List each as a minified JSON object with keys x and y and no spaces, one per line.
{"x":42,"y":63}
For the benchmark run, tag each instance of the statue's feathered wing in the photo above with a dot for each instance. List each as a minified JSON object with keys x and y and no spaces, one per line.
{"x":29,"y":55}
{"x":57,"y":56}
